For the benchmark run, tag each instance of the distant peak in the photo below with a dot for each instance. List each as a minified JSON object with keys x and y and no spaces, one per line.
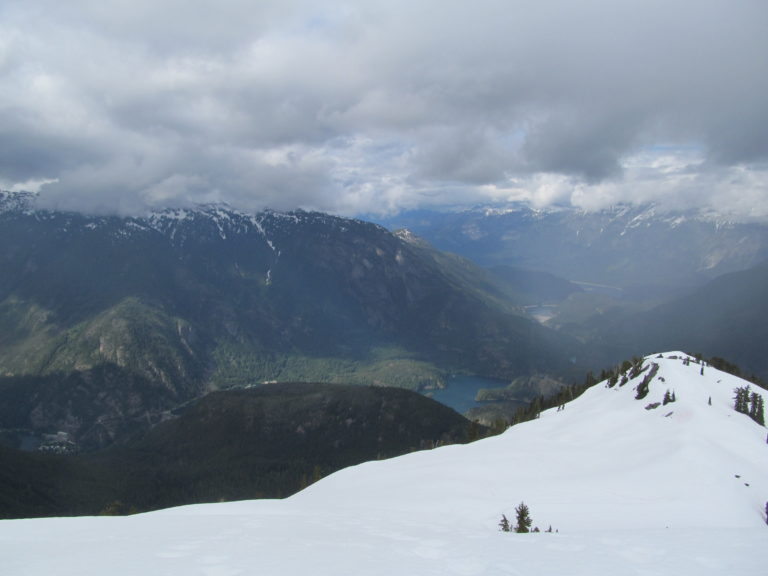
{"x":405,"y":234}
{"x":410,"y":238}
{"x":16,"y":201}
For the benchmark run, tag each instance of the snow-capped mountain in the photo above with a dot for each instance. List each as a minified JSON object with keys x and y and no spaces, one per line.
{"x":629,"y":247}
{"x":176,"y":225}
{"x":629,"y":486}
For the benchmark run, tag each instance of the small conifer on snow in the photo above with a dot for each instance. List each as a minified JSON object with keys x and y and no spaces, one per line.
{"x":524,"y":520}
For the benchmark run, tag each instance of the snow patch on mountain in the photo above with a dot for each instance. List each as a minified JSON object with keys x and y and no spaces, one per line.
{"x":16,"y":201}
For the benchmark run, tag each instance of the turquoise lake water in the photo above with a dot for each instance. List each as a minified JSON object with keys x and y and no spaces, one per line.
{"x":460,"y":391}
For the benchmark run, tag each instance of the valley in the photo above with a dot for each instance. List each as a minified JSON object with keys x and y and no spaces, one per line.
{"x":108,"y":323}
{"x":264,"y":442}
{"x":125,"y":343}
{"x":643,"y":249}
{"x":641,"y":278}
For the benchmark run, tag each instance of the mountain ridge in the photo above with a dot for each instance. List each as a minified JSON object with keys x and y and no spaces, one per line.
{"x":626,"y":246}
{"x":621,"y":442}
{"x":726,"y":317}
{"x":679,"y":489}
{"x":262,"y":442}
{"x":195,"y":300}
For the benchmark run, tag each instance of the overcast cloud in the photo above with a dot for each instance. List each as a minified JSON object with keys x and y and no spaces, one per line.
{"x":379,"y":106}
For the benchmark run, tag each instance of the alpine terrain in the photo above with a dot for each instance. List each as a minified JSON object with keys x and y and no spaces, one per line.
{"x":107,"y":323}
{"x":626,"y":280}
{"x":649,"y":472}
{"x":633,"y":248}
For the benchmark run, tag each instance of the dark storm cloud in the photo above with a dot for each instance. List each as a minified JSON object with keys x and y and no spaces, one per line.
{"x":359,"y":107}
{"x":460,"y":154}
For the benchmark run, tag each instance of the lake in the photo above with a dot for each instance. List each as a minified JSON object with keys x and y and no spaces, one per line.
{"x":460,"y":391}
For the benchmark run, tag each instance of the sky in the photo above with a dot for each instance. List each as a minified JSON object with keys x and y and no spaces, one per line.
{"x":382,"y":106}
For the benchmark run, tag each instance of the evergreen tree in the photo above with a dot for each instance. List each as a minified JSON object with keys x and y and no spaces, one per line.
{"x":741,"y":400}
{"x":753,"y":401}
{"x":537,"y":404}
{"x":759,"y":411}
{"x":642,"y":389}
{"x":743,"y":394}
{"x":524,"y":520}
{"x":749,"y":403}
{"x":504,"y":524}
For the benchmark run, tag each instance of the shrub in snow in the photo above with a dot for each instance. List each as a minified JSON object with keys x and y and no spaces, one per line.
{"x":624,"y":380}
{"x":643,"y":388}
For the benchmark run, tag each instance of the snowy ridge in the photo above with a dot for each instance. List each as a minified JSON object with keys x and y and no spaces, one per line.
{"x":16,"y":201}
{"x":633,"y":215}
{"x":176,"y":223}
{"x":225,"y":219}
{"x":605,"y":461}
{"x":679,"y":489}
{"x":407,"y":236}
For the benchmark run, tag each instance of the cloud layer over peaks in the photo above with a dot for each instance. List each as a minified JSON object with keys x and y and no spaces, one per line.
{"x":380,"y":106}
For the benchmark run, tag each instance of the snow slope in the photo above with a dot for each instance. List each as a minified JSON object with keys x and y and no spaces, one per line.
{"x":680,"y":489}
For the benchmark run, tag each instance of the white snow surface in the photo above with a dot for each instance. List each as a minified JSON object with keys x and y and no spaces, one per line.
{"x":678,"y":490}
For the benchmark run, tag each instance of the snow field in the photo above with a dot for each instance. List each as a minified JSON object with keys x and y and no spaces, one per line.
{"x":631,"y":491}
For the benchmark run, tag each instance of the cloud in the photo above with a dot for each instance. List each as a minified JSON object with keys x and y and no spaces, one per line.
{"x":380,"y":106}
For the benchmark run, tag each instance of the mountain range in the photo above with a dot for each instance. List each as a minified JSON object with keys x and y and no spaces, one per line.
{"x":726,"y":317}
{"x":627,"y":481}
{"x":107,"y":323}
{"x":638,"y":250}
{"x":625,"y":280}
